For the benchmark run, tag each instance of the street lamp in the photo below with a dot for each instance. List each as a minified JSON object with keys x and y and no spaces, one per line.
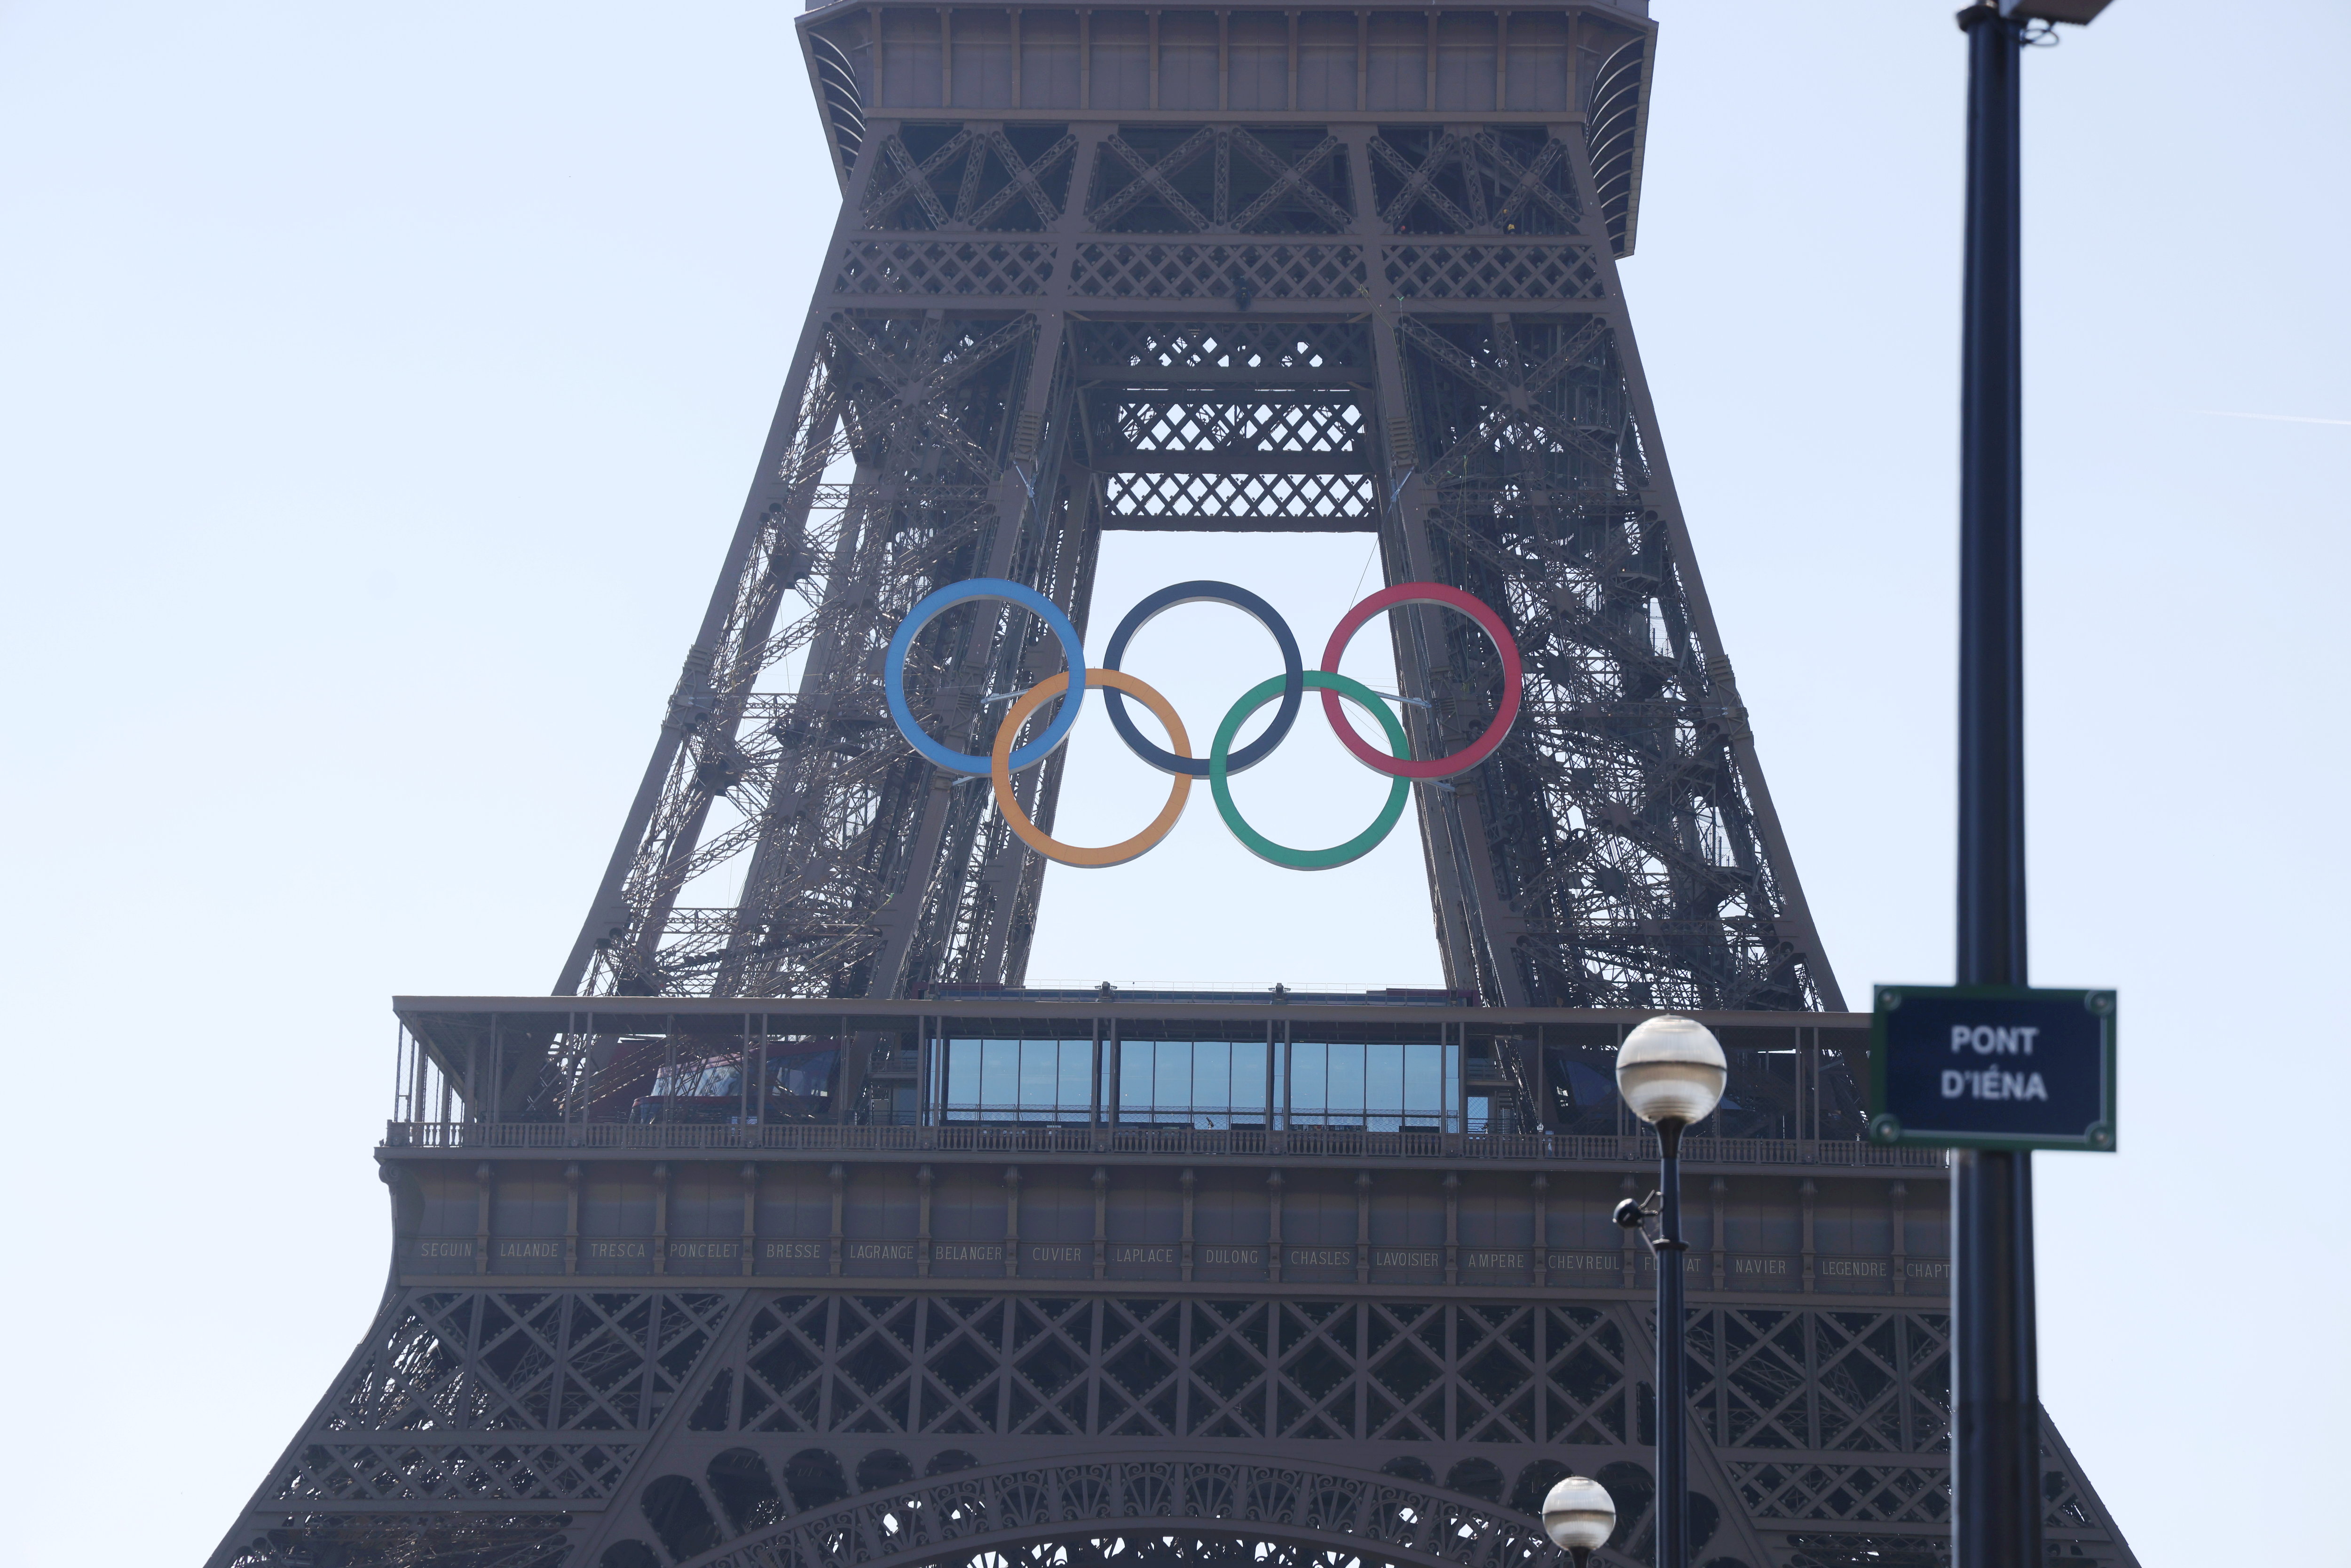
{"x":1578,"y":1516}
{"x":1995,"y":1394}
{"x":1670,"y":1070}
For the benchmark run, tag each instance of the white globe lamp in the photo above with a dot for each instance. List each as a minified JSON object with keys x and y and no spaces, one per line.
{"x":1578,"y":1516}
{"x":1671,"y":1073}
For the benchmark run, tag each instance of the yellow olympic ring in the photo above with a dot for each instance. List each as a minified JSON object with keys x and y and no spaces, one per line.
{"x":1044,"y":844}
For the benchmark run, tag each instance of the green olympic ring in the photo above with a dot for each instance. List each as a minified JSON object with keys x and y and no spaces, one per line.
{"x":1265,"y":849}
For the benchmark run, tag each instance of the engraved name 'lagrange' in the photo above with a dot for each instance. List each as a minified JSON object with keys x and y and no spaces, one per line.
{"x":1993,"y":1083}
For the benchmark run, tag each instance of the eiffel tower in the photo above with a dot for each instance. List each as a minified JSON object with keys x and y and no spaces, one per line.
{"x":794,"y":1229}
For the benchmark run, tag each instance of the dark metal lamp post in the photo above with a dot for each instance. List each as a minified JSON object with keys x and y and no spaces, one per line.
{"x":1670,"y":1072}
{"x":1996,"y":1407}
{"x":1578,"y":1516}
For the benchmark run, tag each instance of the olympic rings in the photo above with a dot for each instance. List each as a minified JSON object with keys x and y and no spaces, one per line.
{"x":1398,"y":765}
{"x":1293,"y":685}
{"x":1044,"y":844}
{"x":893,"y":671}
{"x":1470,"y":755}
{"x":1332,"y":686}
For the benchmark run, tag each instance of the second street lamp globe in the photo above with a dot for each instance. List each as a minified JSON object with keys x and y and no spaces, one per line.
{"x":1671,"y":1069}
{"x":1578,"y":1515}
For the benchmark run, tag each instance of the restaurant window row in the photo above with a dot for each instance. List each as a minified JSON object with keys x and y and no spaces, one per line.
{"x":1388,"y":1085}
{"x":1785,"y":1081}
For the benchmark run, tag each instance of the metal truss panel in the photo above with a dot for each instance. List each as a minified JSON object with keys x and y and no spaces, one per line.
{"x":939,"y":1426}
{"x":1619,"y":851}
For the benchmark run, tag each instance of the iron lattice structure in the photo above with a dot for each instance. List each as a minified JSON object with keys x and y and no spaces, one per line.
{"x":713,"y":1259}
{"x":1328,"y":271}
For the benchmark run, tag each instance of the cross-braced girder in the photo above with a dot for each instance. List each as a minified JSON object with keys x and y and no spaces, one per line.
{"x":1622,"y":826}
{"x":641,"y":1428}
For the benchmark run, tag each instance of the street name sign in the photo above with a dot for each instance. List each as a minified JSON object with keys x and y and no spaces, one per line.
{"x":1993,"y":1066}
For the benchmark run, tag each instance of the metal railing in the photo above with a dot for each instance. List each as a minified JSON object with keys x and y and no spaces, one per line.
{"x":824,"y":1137}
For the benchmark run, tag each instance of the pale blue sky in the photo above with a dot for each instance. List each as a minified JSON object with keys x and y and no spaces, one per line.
{"x":378,"y":386}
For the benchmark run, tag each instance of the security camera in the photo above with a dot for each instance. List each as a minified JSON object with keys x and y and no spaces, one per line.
{"x":1628,"y":1215}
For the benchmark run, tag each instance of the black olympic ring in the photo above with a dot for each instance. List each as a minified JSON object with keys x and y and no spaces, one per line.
{"x":1293,"y":676}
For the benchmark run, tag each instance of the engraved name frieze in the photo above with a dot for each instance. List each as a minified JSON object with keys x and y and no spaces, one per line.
{"x":1321,"y":1257}
{"x":433,"y":1247}
{"x":1246,"y":1257}
{"x":1493,"y":1260}
{"x":1609,"y":1261}
{"x":966,"y":1252}
{"x":545,"y":1249}
{"x":1853,"y":1268}
{"x":1142,"y":1254}
{"x":609,"y":1250}
{"x":1406,"y":1258}
{"x":882,"y":1251}
{"x":704,"y":1252}
{"x":1758,"y":1266}
{"x":1059,"y":1252}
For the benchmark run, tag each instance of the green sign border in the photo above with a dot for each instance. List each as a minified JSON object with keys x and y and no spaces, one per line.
{"x":2098,"y":1137}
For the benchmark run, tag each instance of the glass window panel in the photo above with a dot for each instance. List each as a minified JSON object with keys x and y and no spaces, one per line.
{"x":1212,"y":1075}
{"x":1424,"y":1079}
{"x":1346,"y":1070}
{"x":1135,"y":1058}
{"x":963,"y":1075}
{"x":1212,"y":1083}
{"x":1306,"y":1079}
{"x":1039,"y":1068}
{"x":1077,"y":1093}
{"x":1248,"y":1076}
{"x":1384,"y":1077}
{"x":1171,"y":1082}
{"x":999,"y":1074}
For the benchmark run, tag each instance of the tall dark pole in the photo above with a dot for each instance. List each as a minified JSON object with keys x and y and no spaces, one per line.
{"x":1673,"y":1401}
{"x":1996,"y":1439}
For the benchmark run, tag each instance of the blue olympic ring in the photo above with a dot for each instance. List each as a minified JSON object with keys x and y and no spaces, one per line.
{"x":894,"y":671}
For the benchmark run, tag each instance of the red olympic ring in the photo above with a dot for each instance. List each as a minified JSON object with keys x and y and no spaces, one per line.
{"x":1468,"y":756}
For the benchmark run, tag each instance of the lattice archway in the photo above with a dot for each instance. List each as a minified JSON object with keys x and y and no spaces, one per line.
{"x":1147,"y":1511}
